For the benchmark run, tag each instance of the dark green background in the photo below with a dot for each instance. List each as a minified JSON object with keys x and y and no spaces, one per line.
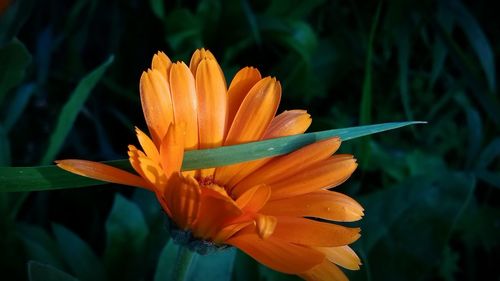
{"x":431,"y":192}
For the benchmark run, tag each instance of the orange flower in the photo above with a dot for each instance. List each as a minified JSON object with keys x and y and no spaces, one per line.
{"x":263,"y":207}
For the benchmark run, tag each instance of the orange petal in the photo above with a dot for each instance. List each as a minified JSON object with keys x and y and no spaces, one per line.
{"x":183,"y":197}
{"x":134,"y":154}
{"x":254,"y":199}
{"x":102,"y":172}
{"x":148,"y":146}
{"x":216,"y":210}
{"x":162,"y":63}
{"x":156,"y":104}
{"x":314,"y":233}
{"x":288,"y":123}
{"x":242,"y":82}
{"x":212,"y":104}
{"x":324,"y":174}
{"x":229,"y":230}
{"x":276,"y":254}
{"x":172,"y":149}
{"x":152,"y":172}
{"x":197,"y":57}
{"x":251,"y":121}
{"x":183,"y":91}
{"x":323,"y":204}
{"x":256,"y":112}
{"x":161,"y":198}
{"x":325,"y":271}
{"x":289,"y":165}
{"x":265,"y":225}
{"x":343,"y":256}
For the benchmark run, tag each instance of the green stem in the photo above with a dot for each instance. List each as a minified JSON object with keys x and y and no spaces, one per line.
{"x":182,"y":262}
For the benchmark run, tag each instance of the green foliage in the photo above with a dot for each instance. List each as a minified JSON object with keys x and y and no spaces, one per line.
{"x":44,"y":272}
{"x":13,"y":19}
{"x":126,"y":233}
{"x":78,"y":255}
{"x":166,"y":261}
{"x":245,"y":268}
{"x":71,"y":110}
{"x":430,"y":193}
{"x":14,"y":58}
{"x":410,"y":207}
{"x":217,"y":266}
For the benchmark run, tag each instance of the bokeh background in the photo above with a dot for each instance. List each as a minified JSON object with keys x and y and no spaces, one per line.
{"x":430,"y":192}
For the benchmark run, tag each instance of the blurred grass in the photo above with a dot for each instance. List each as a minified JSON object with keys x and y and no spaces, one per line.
{"x":71,"y":109}
{"x":431,"y":195}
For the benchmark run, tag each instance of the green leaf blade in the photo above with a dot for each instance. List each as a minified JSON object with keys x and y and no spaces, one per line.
{"x":273,"y":147}
{"x":14,"y":60}
{"x":217,"y":266}
{"x":166,"y":261}
{"x":71,"y":109}
{"x":126,"y":234}
{"x":14,"y":179}
{"x":78,"y":255}
{"x":43,"y":272}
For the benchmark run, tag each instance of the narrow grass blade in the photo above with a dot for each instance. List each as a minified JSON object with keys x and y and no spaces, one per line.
{"x":71,"y":109}
{"x":18,"y":105}
{"x":365,"y":111}
{"x":489,"y":102}
{"x":14,"y":60}
{"x":365,"y":114}
{"x":478,"y":41}
{"x":50,"y":177}
{"x":44,"y":272}
{"x":246,"y":152}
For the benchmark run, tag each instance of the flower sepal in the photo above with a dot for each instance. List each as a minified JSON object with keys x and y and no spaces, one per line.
{"x":185,"y":238}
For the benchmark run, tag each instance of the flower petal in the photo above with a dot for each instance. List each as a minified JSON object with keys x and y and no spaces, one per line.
{"x":288,"y":123}
{"x":212,"y":104}
{"x":292,"y":123}
{"x":197,"y":57}
{"x":229,"y":230}
{"x":242,"y":82}
{"x":148,"y":146}
{"x":102,"y":172}
{"x":323,"y":204}
{"x":185,"y":103}
{"x":254,"y":198}
{"x":162,"y":63}
{"x":324,"y":174}
{"x":278,"y":255}
{"x":343,"y":256}
{"x":133,"y":157}
{"x":156,"y":104}
{"x":265,"y":225}
{"x":216,"y":211}
{"x":183,"y":198}
{"x":152,"y":172}
{"x":172,"y":149}
{"x":255,"y":113}
{"x":251,"y":120}
{"x":314,"y":233}
{"x":289,"y":165}
{"x":325,"y":271}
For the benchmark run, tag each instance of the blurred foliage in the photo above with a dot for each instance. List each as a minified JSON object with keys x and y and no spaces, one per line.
{"x":431,"y":193}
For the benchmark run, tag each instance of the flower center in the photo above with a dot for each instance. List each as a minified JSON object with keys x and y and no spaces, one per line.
{"x":205,"y":181}
{"x":209,"y":182}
